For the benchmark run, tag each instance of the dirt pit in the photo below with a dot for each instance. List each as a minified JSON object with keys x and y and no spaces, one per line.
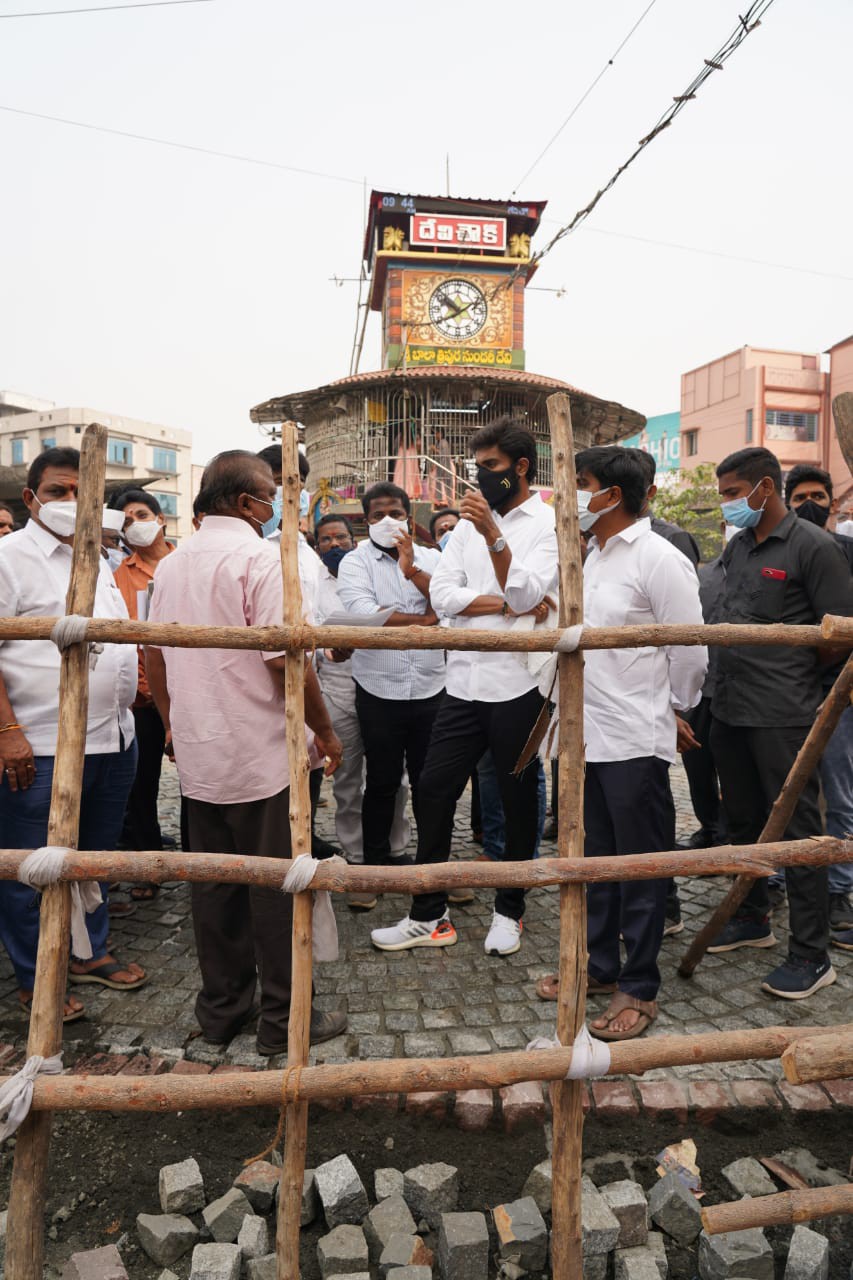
{"x":104,"y":1168}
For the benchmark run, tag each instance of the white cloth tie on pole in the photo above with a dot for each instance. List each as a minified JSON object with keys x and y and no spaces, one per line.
{"x":324,"y":930}
{"x":569,"y":640}
{"x":590,"y":1057}
{"x":72,"y":629}
{"x":43,"y":867}
{"x":16,"y":1095}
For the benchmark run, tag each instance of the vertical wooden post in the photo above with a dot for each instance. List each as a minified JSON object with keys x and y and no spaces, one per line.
{"x":25,"y":1240}
{"x":567,"y":1095}
{"x":299,"y":1025}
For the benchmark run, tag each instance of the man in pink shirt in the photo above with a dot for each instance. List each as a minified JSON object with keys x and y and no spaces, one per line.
{"x":224,"y":714}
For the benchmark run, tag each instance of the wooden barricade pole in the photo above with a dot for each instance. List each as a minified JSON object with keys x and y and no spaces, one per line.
{"x":821,"y":1057}
{"x":567,"y":1095}
{"x":777,"y":1211}
{"x":807,"y":760}
{"x":299,"y":1024}
{"x":25,"y":1238}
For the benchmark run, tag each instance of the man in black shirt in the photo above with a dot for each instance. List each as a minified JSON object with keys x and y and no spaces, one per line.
{"x":778,"y":569}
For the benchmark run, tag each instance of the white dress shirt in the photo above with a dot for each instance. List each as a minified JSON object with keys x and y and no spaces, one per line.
{"x":35,"y":569}
{"x":369,"y":580}
{"x":630,"y":695}
{"x":467,"y":571}
{"x":335,"y":677}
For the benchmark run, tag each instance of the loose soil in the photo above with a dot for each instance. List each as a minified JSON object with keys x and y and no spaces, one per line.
{"x":104,"y":1167}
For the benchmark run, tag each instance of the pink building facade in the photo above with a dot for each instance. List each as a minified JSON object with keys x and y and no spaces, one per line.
{"x":778,"y":399}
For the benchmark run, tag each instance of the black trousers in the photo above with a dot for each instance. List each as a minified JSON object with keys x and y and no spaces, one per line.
{"x":701,"y":770}
{"x":753,"y":764}
{"x":628,"y":808}
{"x":242,"y":932}
{"x":463,"y":732}
{"x":141,"y":825}
{"x":396,"y":737}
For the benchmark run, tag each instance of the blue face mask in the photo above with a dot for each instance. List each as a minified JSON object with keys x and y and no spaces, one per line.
{"x":444,"y":539}
{"x":304,"y":503}
{"x":333,"y":557}
{"x":269,"y":527}
{"x":740,"y":514}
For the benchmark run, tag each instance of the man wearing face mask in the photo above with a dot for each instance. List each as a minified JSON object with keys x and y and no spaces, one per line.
{"x":35,"y":569}
{"x":441,"y":525}
{"x":334,"y":542}
{"x":309,"y":569}
{"x":397,"y":691}
{"x":778,"y":569}
{"x":500,"y":562}
{"x":144,"y":532}
{"x":224,"y":715}
{"x":631,"y":700}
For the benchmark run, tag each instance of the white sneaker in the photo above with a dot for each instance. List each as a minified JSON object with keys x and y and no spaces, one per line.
{"x":504,"y":937}
{"x":415,"y":933}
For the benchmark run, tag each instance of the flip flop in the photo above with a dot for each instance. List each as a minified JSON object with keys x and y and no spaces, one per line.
{"x":647,"y":1010}
{"x":103,"y":974}
{"x":546,"y":988}
{"x":25,"y":999}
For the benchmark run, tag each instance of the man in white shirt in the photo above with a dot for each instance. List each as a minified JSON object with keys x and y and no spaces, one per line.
{"x":334,"y":670}
{"x":397,"y":691}
{"x":500,"y":562}
{"x":35,"y":569}
{"x":631,"y":577}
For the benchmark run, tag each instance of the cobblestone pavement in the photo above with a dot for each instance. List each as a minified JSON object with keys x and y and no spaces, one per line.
{"x":427,"y":1003}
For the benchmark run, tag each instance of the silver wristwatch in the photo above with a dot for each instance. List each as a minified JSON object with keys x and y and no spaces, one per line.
{"x":498,"y":545}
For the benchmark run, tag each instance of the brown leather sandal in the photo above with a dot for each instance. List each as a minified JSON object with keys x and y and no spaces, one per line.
{"x":647,"y":1009}
{"x":546,"y":988}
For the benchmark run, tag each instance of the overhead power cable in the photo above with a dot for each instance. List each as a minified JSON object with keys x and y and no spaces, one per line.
{"x":182,"y":146}
{"x":746,"y":25}
{"x":105,"y":8}
{"x":582,"y":99}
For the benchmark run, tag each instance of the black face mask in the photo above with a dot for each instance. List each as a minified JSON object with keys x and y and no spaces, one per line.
{"x":333,"y":557}
{"x":498,"y":487}
{"x":813,"y":512}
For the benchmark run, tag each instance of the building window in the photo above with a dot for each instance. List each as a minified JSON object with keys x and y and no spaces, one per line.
{"x":168,"y":502}
{"x":782,"y":424}
{"x":120,"y":452}
{"x":691,"y":443}
{"x":49,"y":442}
{"x":165,"y":460}
{"x":17,"y":453}
{"x":749,"y":426}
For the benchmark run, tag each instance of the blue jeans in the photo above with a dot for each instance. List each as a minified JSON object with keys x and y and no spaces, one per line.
{"x":836,"y":778}
{"x":107,"y":780}
{"x":491,"y":809}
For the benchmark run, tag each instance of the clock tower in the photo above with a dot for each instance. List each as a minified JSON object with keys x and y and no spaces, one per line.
{"x":448,"y":276}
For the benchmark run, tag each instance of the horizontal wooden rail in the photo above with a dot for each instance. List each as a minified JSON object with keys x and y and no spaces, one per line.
{"x":399,"y":1075}
{"x":821,"y":1058}
{"x":777,"y":1211}
{"x":541,"y":640}
{"x":159,"y":867}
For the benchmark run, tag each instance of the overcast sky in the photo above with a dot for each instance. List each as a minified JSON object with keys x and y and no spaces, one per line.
{"x":184,"y":288}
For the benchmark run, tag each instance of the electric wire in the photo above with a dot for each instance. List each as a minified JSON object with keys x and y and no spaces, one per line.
{"x":582,"y":99}
{"x":747,"y":23}
{"x":104,"y":8}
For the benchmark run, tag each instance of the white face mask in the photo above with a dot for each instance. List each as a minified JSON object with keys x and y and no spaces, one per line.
{"x":386,"y":532}
{"x":587,"y":518}
{"x":142,"y":532}
{"x":59,"y":517}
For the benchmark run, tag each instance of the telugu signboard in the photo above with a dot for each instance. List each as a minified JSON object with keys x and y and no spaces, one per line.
{"x":450,"y":232}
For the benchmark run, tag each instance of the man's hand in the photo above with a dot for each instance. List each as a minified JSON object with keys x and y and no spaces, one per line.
{"x":330,"y":745}
{"x":16,"y":760}
{"x":338,"y":655}
{"x":685,"y":739}
{"x":474,"y":507}
{"x":168,"y":747}
{"x":428,"y":619}
{"x":539,"y":611}
{"x":405,"y":553}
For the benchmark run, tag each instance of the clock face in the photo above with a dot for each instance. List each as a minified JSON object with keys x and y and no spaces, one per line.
{"x":458,"y":309}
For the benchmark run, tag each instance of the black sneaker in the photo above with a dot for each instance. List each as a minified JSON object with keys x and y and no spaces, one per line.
{"x":841,"y":911}
{"x":324,"y":1026}
{"x":798,"y":978}
{"x":744,"y":931}
{"x":843,"y":939}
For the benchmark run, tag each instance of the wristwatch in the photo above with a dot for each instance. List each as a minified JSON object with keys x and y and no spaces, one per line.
{"x":498,"y":545}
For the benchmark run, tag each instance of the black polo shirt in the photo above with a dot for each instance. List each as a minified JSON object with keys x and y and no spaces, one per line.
{"x":796,"y":575}
{"x":680,"y":538}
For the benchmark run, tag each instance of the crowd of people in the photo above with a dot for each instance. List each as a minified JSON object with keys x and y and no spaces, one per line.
{"x":424,"y":723}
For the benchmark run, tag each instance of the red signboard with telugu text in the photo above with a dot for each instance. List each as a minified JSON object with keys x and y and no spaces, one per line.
{"x":451,"y":232}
